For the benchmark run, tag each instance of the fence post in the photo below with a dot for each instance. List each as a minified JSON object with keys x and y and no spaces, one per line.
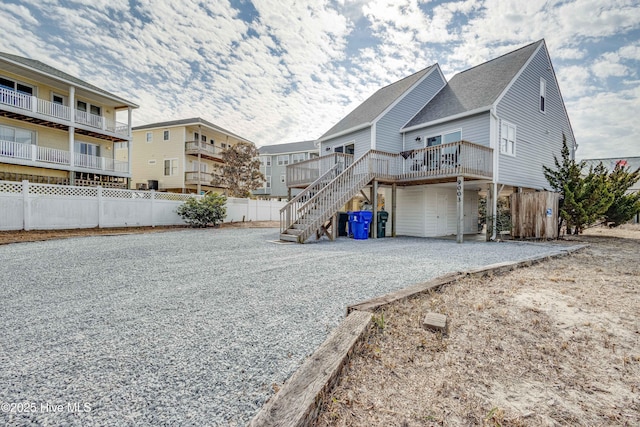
{"x":26,"y":206}
{"x":100,"y":207}
{"x":153,"y":206}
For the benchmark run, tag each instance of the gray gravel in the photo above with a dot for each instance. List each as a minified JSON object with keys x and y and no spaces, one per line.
{"x":188,"y":327}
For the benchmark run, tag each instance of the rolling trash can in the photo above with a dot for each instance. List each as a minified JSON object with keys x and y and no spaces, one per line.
{"x":343,"y":218}
{"x":359,"y":224}
{"x":383,"y":217}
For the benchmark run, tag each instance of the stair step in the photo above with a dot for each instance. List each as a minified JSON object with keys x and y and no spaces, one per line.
{"x":289,"y":237}
{"x":294,"y":231}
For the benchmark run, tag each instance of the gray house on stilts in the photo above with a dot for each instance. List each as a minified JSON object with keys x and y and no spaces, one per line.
{"x":432,"y":147}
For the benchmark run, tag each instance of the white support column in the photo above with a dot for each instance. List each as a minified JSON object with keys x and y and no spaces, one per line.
{"x":460,"y":206}
{"x":394,"y":195}
{"x":494,"y":210}
{"x":72,"y":103}
{"x":374,"y":203}
{"x":72,"y":131}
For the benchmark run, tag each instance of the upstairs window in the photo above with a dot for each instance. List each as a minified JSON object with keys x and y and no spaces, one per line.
{"x":149,"y":136}
{"x":543,"y":95}
{"x":508,"y":139}
{"x":165,"y":135}
{"x":283,"y":160}
{"x":22,"y":136}
{"x":170,"y":167}
{"x":297,"y":157}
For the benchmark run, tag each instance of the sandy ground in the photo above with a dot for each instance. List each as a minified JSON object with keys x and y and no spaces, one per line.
{"x":7,"y":237}
{"x":557,"y":343}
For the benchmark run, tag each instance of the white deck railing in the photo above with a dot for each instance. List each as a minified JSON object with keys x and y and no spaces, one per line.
{"x":195,"y":147}
{"x":32,"y":104}
{"x":45,"y":156}
{"x":315,"y":205}
{"x":305,"y":172}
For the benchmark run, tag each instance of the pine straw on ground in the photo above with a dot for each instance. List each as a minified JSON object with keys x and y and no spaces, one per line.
{"x":557,"y":343}
{"x":18,"y":236}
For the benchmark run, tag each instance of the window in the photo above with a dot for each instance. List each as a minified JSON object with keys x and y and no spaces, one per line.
{"x":81,"y":106}
{"x":149,"y":136}
{"x":543,"y":94}
{"x":283,"y":179}
{"x":87,"y":148}
{"x":283,"y":160}
{"x":170,"y":167}
{"x":165,"y":135}
{"x":58,"y":99}
{"x":95,"y":110}
{"x":21,"y":136}
{"x":119,"y":145}
{"x":267,"y":182}
{"x":508,"y":139}
{"x":223,"y":145}
{"x":16,"y":86}
{"x":297,"y":157}
{"x":196,"y":136}
{"x":204,"y":138}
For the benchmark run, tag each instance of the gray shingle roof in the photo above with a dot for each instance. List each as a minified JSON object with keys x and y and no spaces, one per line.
{"x":291,"y":147}
{"x":376,"y":103}
{"x":188,"y":122}
{"x":476,"y":87}
{"x":54,"y":72}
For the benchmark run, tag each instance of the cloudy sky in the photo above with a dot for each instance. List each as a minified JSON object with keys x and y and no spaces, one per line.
{"x":276,"y":71}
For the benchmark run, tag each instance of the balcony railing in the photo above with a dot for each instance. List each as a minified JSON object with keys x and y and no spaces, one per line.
{"x":431,"y":163}
{"x":304,"y":173}
{"x":203,"y":148}
{"x":33,"y":104}
{"x":49,"y":157}
{"x":202,"y":178}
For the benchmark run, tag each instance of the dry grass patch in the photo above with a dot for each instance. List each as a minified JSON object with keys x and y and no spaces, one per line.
{"x":557,"y":343}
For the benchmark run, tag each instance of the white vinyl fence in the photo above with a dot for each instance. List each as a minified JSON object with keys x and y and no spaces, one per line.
{"x":29,"y":206}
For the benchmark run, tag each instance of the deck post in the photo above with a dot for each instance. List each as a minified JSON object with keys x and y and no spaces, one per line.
{"x":374,"y":203}
{"x":460,"y":206}
{"x":394,"y":188}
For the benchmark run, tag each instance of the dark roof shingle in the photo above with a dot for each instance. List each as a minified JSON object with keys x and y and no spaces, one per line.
{"x":475,"y":88}
{"x":291,"y":147}
{"x":376,"y":103}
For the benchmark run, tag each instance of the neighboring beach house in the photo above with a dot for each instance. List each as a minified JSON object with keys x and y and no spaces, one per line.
{"x":274,"y":160}
{"x":432,"y":147}
{"x":180,"y":156}
{"x":58,"y":129}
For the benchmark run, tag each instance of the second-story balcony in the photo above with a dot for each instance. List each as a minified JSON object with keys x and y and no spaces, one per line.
{"x":202,"y":178}
{"x":53,"y":158}
{"x":20,"y":104}
{"x":439,"y":163}
{"x":205,"y":149}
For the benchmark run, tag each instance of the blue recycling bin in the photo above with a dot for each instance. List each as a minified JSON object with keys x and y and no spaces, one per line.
{"x":359,"y":224}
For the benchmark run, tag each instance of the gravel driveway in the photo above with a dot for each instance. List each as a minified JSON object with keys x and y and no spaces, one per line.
{"x":189,"y":327}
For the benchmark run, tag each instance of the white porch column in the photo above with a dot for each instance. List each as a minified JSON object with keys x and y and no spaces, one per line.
{"x":374,"y":203}
{"x":72,"y":103}
{"x":72,"y":131}
{"x":129,"y":141}
{"x":460,"y":206}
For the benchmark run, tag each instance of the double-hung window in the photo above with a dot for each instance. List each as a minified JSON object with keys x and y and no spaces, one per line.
{"x":170,"y":167}
{"x":508,"y":138}
{"x":283,"y":160}
{"x":297,"y":157}
{"x":165,"y":135}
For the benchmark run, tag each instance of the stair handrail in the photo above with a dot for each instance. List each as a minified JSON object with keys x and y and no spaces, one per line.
{"x":336,"y":193}
{"x":286,"y":217}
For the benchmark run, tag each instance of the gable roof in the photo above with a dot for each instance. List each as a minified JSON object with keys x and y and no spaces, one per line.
{"x":365,"y":113}
{"x":48,"y":70}
{"x":188,"y":122}
{"x":476,"y":88}
{"x":291,"y":147}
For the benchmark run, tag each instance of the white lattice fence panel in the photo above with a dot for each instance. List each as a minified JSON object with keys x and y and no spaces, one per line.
{"x":174,"y":196}
{"x":62,"y":190}
{"x":10,"y":187}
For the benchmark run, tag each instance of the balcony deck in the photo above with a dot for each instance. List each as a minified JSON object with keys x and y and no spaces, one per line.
{"x":441,"y":163}
{"x":202,"y":178}
{"x":205,"y":149}
{"x":52,"y":158}
{"x":23,"y":107}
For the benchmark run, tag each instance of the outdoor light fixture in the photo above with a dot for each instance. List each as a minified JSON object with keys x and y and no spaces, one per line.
{"x":418,"y":139}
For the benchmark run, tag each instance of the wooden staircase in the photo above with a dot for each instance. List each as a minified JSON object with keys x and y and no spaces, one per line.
{"x":312,"y":211}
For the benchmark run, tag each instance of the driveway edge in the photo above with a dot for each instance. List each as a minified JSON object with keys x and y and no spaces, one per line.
{"x":299,"y":400}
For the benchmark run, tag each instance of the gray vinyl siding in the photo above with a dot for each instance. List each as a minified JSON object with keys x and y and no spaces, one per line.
{"x":361,"y":138}
{"x":388,"y":136}
{"x":474,"y":129}
{"x":538,"y":135}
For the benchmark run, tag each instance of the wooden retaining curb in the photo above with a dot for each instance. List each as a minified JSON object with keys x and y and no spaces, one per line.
{"x":301,"y":397}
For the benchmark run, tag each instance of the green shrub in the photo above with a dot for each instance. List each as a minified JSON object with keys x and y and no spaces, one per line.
{"x":209,"y":210}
